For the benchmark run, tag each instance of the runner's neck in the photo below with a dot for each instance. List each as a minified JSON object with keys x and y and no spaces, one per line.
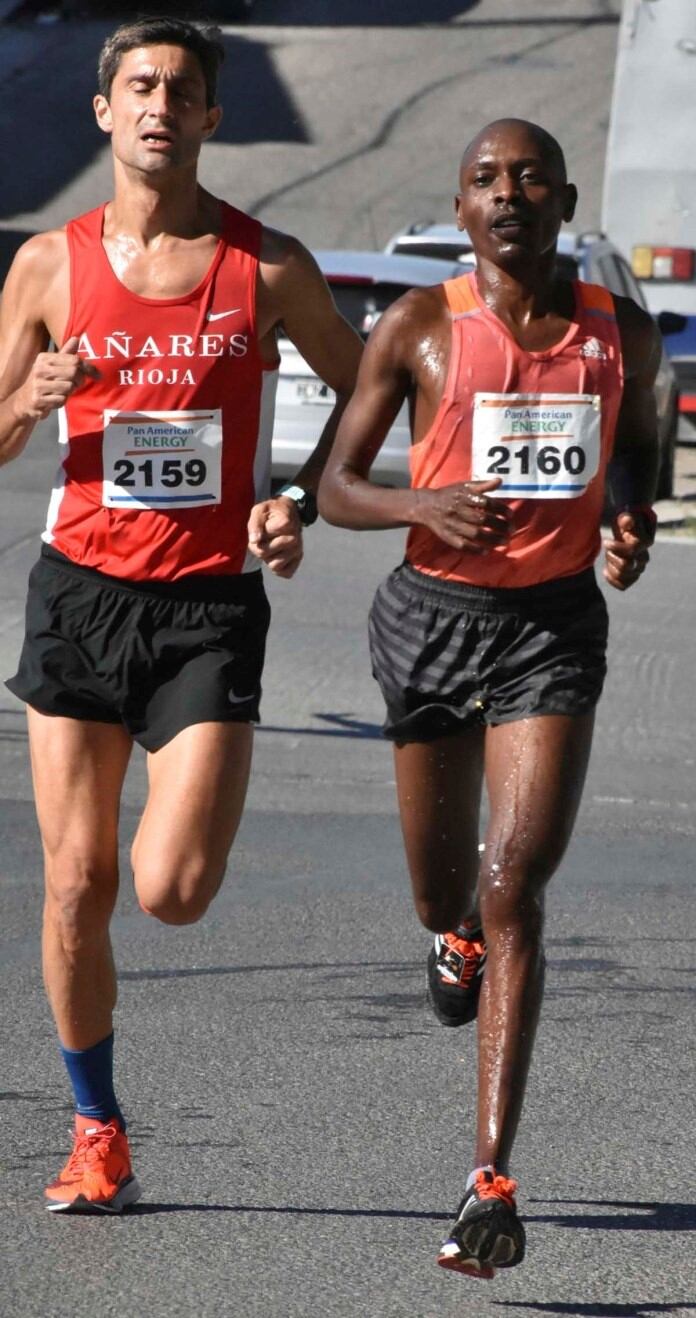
{"x":521,"y":296}
{"x":184,"y":210}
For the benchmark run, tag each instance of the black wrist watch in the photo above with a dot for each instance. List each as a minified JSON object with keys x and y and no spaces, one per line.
{"x":304,"y":501}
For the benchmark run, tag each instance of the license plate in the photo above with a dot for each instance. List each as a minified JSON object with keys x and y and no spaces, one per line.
{"x":314,"y":391}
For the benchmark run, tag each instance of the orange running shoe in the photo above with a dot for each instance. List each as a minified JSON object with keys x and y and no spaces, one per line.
{"x":98,"y":1177}
{"x":455,"y":973}
{"x":488,"y":1233}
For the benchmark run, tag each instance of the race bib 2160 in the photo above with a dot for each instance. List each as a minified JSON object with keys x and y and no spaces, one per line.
{"x":542,"y":446}
{"x":162,"y":459}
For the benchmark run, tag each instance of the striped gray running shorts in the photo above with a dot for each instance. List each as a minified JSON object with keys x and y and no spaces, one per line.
{"x":448,"y":655}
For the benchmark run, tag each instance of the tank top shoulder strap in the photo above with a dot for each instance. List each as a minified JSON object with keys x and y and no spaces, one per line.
{"x":460,"y":295}
{"x":596,"y":300}
{"x":86,"y":256}
{"x":87,"y":228}
{"x":84,"y":238}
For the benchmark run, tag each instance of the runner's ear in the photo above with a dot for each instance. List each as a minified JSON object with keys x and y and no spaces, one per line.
{"x":102,"y":111}
{"x":571,"y":201}
{"x":213,"y":117}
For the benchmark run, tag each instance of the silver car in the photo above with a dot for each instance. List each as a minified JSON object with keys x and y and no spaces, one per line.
{"x":363,"y":284}
{"x":585,"y":256}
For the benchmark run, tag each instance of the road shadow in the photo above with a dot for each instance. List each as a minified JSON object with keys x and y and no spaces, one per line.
{"x":359,"y":13}
{"x":59,"y":139}
{"x":10,"y":241}
{"x":388,"y":1015}
{"x":315,"y":13}
{"x":638,"y":1215}
{"x":290,"y":13}
{"x":288,"y":1210}
{"x":642,"y":1216}
{"x":340,"y":725}
{"x":622,"y":972}
{"x":343,"y":725}
{"x":600,"y":1310}
{"x":335,"y":969}
{"x":404,"y":13}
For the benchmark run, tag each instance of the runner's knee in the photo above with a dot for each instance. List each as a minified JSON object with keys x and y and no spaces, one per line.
{"x":80,"y":897}
{"x":440,"y":913}
{"x":511,"y":899}
{"x":180,"y":899}
{"x":442,"y":905}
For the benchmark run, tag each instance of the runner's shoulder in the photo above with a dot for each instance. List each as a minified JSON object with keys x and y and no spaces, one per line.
{"x":418,"y":312}
{"x":40,"y":254}
{"x":424,"y":304}
{"x":38,"y":263}
{"x":288,"y":271}
{"x":280,"y":250}
{"x":413,"y":320}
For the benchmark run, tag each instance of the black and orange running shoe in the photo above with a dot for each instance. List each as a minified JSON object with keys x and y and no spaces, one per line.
{"x":455,"y":971}
{"x":98,"y":1177}
{"x":487,"y":1234}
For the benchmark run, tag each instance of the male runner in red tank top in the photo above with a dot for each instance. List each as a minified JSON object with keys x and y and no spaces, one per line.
{"x":489,"y":641}
{"x":146,"y":616}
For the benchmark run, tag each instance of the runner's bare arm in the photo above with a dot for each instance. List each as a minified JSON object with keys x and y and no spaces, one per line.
{"x":294,"y":296}
{"x":633,"y":468}
{"x":460,"y":515}
{"x":33,"y":381}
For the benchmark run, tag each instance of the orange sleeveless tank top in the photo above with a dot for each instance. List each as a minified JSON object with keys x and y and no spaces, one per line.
{"x":542,"y":421}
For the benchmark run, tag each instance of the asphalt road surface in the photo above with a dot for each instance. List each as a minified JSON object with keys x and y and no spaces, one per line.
{"x":301,"y":1126}
{"x":342,"y":134}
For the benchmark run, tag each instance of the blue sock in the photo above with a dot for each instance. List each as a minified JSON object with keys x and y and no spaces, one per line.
{"x":91,"y":1072}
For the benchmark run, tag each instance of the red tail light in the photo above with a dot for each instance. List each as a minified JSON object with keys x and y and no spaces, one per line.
{"x":361,"y":281}
{"x":663,"y":262}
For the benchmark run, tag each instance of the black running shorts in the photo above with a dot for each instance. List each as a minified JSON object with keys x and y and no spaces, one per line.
{"x":448,"y":655}
{"x":153,"y":656}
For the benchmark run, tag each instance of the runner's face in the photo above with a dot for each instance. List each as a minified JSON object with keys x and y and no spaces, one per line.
{"x":156,"y":113}
{"x":513,"y":198}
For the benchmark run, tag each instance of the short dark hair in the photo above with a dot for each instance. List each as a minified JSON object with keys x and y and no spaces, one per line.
{"x":205,"y":42}
{"x":548,"y":145}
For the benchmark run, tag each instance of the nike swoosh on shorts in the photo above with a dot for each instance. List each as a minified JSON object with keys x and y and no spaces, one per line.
{"x":239,"y":700}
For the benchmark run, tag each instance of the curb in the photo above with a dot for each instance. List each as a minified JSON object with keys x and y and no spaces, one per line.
{"x":673,"y":513}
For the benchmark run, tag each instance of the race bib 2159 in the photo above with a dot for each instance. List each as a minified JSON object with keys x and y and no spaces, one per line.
{"x":162,"y":459}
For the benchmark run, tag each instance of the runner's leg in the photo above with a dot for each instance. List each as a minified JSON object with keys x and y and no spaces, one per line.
{"x":439,"y":791}
{"x":535,"y":772}
{"x":198,"y":785}
{"x":78,"y":770}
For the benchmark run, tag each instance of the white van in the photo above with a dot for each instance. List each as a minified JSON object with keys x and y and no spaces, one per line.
{"x":649,"y":198}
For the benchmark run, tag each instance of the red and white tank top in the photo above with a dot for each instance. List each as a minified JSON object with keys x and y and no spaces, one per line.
{"x":165,"y":454}
{"x":542,"y":421}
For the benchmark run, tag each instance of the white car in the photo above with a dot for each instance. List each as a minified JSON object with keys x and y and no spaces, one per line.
{"x":438,"y":241}
{"x":363,"y":284}
{"x":586,"y":256}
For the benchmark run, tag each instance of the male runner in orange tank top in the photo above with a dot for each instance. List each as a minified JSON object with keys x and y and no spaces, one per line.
{"x":489,"y":641}
{"x":146,"y":616}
